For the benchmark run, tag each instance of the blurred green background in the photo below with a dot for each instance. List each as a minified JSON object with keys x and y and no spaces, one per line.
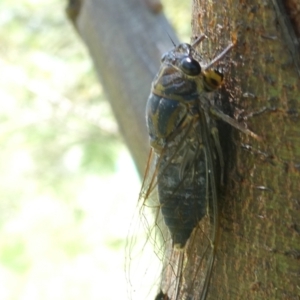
{"x":64,"y":169}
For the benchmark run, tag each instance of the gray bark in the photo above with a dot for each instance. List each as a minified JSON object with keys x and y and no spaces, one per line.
{"x":126,"y":40}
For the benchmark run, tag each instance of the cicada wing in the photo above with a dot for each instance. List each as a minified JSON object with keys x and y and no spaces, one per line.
{"x":187,"y":270}
{"x":176,"y":217}
{"x":146,"y":239}
{"x":198,"y":261}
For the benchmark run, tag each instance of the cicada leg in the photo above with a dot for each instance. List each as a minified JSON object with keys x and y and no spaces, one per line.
{"x":215,"y":134}
{"x":219,"y":56}
{"x":198,"y":40}
{"x":219,"y":115}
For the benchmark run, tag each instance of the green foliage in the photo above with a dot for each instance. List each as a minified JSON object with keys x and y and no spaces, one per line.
{"x":66,"y":178}
{"x":13,"y":255}
{"x":179,"y":14}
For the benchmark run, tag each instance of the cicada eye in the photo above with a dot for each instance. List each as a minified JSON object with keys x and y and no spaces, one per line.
{"x":190,"y":66}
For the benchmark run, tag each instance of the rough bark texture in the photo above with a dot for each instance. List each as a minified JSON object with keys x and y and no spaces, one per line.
{"x":259,"y":249}
{"x":126,"y":40}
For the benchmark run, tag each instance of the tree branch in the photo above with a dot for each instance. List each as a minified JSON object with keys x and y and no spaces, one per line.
{"x":125,"y":40}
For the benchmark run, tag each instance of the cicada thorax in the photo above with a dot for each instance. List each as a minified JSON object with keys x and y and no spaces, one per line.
{"x":173,"y":94}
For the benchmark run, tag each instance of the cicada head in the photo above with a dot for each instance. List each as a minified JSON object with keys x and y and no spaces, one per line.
{"x":184,"y":58}
{"x":180,"y":76}
{"x":183,"y":77}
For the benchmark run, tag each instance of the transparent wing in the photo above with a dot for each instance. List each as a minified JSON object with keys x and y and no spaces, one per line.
{"x":146,"y":239}
{"x":187,"y":271}
{"x":176,"y":216}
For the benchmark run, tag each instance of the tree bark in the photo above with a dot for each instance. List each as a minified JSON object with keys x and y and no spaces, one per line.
{"x":126,"y":40}
{"x":259,"y":249}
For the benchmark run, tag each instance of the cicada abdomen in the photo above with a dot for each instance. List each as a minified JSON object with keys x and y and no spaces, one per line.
{"x":181,"y":168}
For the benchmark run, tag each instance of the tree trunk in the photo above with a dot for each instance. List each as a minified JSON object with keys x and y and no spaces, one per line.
{"x":259,"y":249}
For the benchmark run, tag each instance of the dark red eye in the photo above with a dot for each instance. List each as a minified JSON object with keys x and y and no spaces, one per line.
{"x":190,"y":66}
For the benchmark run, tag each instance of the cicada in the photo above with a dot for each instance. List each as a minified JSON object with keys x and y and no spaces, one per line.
{"x":178,"y":202}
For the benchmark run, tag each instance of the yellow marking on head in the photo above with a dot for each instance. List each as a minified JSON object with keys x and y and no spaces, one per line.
{"x":213,"y":79}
